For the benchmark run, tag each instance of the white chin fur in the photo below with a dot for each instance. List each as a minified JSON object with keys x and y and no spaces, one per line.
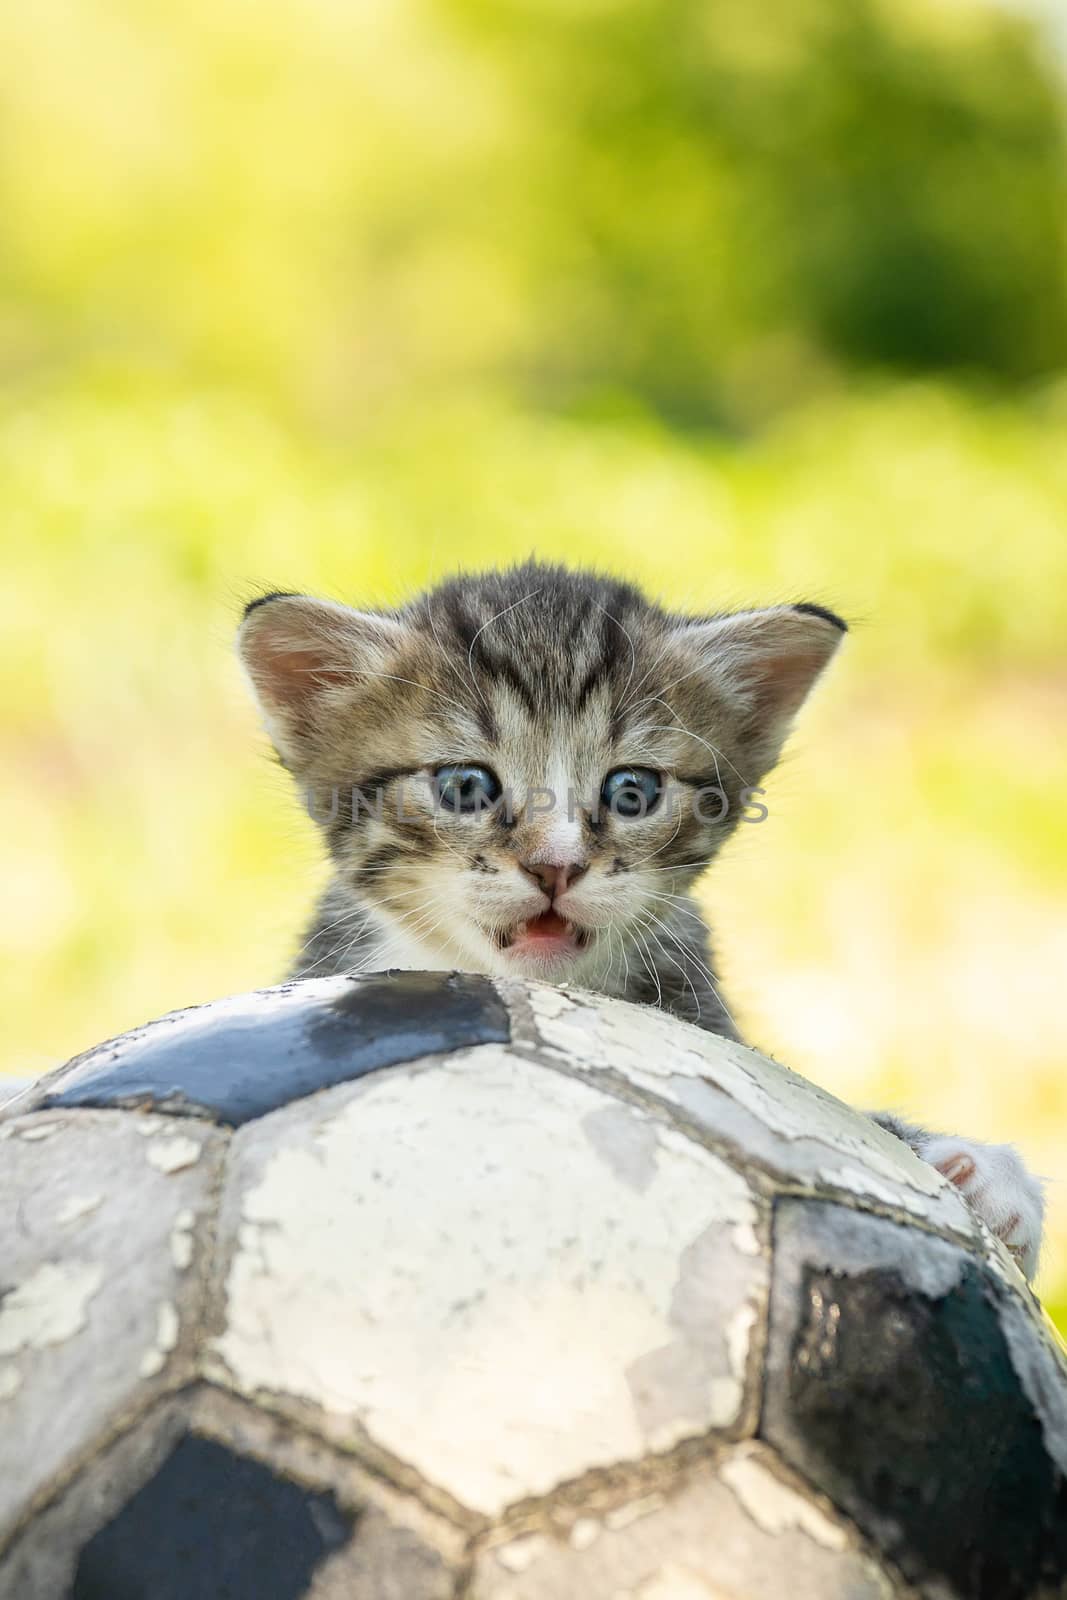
{"x":548,"y":965}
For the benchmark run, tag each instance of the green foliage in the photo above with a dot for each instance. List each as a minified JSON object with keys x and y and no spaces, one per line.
{"x":727,"y":200}
{"x":711,"y":211}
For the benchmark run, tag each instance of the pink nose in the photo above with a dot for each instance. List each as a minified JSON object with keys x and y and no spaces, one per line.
{"x":554,"y":880}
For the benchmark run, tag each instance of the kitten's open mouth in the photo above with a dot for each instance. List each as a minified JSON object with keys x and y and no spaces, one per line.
{"x":546,"y":935}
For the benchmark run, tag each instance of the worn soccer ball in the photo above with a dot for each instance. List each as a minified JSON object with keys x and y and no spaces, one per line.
{"x":420,"y":1286}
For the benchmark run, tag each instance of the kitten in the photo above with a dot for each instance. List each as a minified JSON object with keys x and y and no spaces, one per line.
{"x":525,"y":773}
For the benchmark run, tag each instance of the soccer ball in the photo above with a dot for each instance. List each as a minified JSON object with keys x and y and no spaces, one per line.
{"x":421,"y":1286}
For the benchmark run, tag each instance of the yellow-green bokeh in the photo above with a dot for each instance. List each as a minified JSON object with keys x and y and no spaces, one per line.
{"x":342,"y":298}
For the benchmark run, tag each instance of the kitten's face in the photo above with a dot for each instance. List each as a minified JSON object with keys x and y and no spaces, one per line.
{"x":530,"y":840}
{"x":540,"y":760}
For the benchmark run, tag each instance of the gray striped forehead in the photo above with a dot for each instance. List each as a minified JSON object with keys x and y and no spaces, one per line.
{"x":548,"y":642}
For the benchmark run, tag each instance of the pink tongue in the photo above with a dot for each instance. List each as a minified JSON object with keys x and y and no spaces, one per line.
{"x":548,"y":926}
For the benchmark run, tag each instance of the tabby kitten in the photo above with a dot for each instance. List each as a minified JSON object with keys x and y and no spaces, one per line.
{"x":525,"y":773}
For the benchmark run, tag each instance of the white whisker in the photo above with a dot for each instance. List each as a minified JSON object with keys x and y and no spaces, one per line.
{"x":678,"y":726}
{"x":650,"y":965}
{"x":670,"y":841}
{"x":666,"y":953}
{"x":633,"y":653}
{"x":495,"y":618}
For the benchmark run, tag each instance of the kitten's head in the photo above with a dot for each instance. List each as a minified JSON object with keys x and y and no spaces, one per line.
{"x":518,"y":770}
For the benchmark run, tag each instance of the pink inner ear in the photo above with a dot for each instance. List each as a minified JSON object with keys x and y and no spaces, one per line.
{"x":292,"y":677}
{"x":783,"y":680}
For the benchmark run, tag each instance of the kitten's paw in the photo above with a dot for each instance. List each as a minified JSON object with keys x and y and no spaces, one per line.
{"x":998,"y":1185}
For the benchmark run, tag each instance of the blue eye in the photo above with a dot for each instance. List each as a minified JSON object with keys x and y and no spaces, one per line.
{"x":466,"y":788}
{"x":631,"y":791}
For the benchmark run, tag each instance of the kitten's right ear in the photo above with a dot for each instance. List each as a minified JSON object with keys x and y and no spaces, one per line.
{"x":304,"y":658}
{"x":763,"y":664}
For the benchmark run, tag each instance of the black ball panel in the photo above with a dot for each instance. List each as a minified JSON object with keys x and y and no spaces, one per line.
{"x":212,"y":1523}
{"x":238,"y":1059}
{"x":898,"y":1397}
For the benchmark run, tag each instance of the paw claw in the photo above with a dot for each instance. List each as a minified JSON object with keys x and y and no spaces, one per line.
{"x":998,"y":1188}
{"x":1006,"y":1229}
{"x":958,"y":1169}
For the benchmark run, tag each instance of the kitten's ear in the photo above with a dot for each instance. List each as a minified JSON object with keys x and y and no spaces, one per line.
{"x":304,"y":657}
{"x":763,"y":664}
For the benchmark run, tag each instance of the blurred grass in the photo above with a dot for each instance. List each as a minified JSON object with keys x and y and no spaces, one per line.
{"x":338,"y":298}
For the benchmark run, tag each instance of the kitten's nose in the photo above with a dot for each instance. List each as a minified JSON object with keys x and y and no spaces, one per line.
{"x":553,"y":879}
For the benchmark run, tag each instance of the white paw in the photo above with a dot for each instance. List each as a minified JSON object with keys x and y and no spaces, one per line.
{"x":997,"y":1185}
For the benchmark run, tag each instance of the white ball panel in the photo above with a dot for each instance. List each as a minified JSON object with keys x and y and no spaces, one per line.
{"x":95,"y":1303}
{"x":730,"y":1532}
{"x":502,"y":1274}
{"x":767,"y":1110}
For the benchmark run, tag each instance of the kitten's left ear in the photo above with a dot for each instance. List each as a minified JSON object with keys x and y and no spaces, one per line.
{"x":763,"y":664}
{"x":306,"y":658}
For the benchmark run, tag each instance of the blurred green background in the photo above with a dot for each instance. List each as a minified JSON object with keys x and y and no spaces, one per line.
{"x":749,"y":303}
